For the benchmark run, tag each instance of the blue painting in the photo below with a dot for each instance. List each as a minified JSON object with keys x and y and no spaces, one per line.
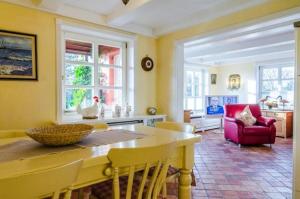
{"x":18,"y":56}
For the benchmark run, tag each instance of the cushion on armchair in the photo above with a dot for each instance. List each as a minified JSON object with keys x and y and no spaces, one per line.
{"x":246,"y":117}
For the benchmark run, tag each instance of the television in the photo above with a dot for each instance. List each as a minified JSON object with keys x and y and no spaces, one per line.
{"x":214,"y":104}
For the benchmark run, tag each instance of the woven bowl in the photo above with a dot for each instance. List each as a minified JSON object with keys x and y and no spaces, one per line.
{"x":60,"y":135}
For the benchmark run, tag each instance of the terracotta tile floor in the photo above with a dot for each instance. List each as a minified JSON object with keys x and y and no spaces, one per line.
{"x":223,"y":170}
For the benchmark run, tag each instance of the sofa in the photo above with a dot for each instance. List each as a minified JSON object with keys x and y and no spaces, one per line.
{"x":262,"y":132}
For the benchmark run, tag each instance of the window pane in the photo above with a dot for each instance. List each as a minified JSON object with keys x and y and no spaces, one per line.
{"x":265,"y":94}
{"x":199,"y":104}
{"x":79,"y":75}
{"x":111,"y":97}
{"x":197,"y":84}
{"x":189,"y":83}
{"x":270,"y":73}
{"x":110,"y":76}
{"x":190,"y":103}
{"x":78,"y":51}
{"x":287,"y":85}
{"x":268,"y":86}
{"x":287,"y":73}
{"x":110,"y":55}
{"x":75,"y":96}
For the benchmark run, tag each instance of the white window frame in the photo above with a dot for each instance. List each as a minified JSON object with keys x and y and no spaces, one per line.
{"x":204,"y":86}
{"x":67,"y":30}
{"x":279,"y":79}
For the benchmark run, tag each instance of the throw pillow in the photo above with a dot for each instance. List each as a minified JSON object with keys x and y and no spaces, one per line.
{"x":246,"y":117}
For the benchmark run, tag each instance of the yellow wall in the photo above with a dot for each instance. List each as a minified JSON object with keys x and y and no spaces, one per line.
{"x":25,"y":104}
{"x":165,"y":45}
{"x":145,"y":87}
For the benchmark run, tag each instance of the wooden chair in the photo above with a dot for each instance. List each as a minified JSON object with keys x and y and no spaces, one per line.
{"x":40,"y":184}
{"x":135,"y":185}
{"x":178,"y":127}
{"x":103,"y":126}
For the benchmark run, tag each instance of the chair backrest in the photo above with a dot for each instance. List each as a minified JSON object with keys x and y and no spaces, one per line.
{"x":40,"y":184}
{"x":231,"y":110}
{"x":176,"y":126}
{"x":142,"y":158}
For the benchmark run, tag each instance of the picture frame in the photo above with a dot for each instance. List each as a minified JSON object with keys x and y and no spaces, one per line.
{"x":213,"y":78}
{"x":18,"y":56}
{"x":234,"y":82}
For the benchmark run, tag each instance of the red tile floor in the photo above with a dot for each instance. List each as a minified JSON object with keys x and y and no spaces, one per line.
{"x":223,"y":170}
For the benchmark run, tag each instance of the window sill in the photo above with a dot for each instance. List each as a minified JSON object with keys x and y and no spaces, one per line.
{"x":110,"y":120}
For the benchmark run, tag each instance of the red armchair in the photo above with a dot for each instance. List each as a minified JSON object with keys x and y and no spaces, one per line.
{"x":262,"y":132}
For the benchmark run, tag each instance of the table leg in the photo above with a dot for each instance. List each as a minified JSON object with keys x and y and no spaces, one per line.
{"x":185,"y":180}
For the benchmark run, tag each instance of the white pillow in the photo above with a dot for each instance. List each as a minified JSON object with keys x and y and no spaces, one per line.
{"x":246,"y":117}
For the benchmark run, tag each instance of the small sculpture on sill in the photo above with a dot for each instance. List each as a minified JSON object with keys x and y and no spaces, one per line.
{"x":127,"y":110}
{"x":151,"y":110}
{"x":89,"y":112}
{"x":102,"y":111}
{"x":118,"y":110}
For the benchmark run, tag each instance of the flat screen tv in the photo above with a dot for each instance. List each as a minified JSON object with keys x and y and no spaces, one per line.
{"x":214,"y":104}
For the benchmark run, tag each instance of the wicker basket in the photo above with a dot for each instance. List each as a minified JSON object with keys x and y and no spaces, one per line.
{"x":60,"y":135}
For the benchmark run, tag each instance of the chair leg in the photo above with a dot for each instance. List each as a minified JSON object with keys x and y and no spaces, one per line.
{"x":164,"y":190}
{"x":68,"y":194}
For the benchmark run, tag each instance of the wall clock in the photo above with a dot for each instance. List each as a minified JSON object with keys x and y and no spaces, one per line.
{"x":147,"y":63}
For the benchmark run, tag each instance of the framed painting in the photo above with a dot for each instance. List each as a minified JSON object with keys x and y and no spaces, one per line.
{"x":18,"y":56}
{"x":234,"y":82}
{"x":213,"y":78}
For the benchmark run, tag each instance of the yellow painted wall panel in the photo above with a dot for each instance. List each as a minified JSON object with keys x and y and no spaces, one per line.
{"x":145,"y":81}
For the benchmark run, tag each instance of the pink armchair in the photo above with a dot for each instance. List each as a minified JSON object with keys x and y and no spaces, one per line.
{"x":262,"y":132}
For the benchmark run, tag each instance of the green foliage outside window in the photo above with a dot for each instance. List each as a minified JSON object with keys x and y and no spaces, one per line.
{"x":82,"y":77}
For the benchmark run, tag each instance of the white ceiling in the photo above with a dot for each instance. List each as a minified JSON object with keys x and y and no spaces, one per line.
{"x":149,"y":17}
{"x":271,"y":40}
{"x":102,"y":7}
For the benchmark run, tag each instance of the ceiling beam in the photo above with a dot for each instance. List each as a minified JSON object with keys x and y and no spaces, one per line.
{"x":246,"y":59}
{"x":216,"y":48}
{"x":258,"y":26}
{"x":277,"y":47}
{"x":127,"y":14}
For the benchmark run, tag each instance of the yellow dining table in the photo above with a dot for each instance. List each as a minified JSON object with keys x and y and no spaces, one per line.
{"x":96,"y":164}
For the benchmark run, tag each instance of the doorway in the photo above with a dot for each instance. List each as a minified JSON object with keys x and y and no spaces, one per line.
{"x":283,"y":34}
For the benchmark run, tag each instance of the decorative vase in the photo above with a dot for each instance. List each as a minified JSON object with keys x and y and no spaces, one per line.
{"x":117,"y":111}
{"x":127,"y":110}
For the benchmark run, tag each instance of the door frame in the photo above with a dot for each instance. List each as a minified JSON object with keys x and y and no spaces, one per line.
{"x":281,"y":18}
{"x":178,"y":79}
{"x":296,"y":136}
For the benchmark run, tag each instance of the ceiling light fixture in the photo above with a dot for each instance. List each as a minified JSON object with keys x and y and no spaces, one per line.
{"x":125,"y":2}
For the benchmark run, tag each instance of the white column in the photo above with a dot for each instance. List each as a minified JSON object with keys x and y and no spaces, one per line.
{"x":296,"y":135}
{"x":177,"y":83}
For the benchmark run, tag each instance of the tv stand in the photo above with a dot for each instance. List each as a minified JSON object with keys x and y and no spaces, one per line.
{"x":201,"y":122}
